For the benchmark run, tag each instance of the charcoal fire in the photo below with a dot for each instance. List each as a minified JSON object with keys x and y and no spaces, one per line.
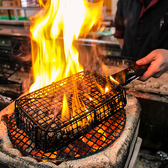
{"x":118,"y":140}
{"x":69,"y":113}
{"x":34,"y":111}
{"x":54,"y":59}
{"x":95,"y":140}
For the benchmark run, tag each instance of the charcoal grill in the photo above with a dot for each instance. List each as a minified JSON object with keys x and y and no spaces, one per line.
{"x":35,"y":129}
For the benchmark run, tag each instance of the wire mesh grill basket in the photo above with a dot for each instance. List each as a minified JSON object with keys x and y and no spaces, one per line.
{"x":39,"y":114}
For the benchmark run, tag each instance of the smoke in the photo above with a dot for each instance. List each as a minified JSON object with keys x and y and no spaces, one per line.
{"x":89,"y":58}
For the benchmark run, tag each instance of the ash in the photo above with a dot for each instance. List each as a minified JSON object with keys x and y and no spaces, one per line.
{"x":148,"y":159}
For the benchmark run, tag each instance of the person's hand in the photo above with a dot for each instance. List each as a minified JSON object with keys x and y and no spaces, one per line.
{"x":158,"y":60}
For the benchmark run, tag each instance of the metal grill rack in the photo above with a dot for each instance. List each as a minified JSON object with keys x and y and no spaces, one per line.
{"x":39,"y":113}
{"x":94,"y":141}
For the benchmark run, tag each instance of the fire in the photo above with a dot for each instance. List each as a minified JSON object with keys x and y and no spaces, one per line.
{"x":53,"y":32}
{"x":65,"y":110}
{"x":113,"y":80}
{"x":107,"y":88}
{"x":96,"y":142}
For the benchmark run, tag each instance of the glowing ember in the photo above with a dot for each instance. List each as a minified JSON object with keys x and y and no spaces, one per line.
{"x":96,"y":139}
{"x":54,"y":58}
{"x":96,"y":142}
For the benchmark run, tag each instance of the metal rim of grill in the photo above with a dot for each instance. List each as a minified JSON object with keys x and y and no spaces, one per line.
{"x":94,"y":141}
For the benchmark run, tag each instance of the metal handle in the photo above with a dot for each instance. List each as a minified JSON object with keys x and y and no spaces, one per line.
{"x":130,"y":74}
{"x":139,"y":69}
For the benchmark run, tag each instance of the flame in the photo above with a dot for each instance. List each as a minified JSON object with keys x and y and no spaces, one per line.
{"x":104,"y":90}
{"x":65,"y":110}
{"x":102,"y":28}
{"x":78,"y":107}
{"x":107,"y":87}
{"x":113,"y":80}
{"x":53,"y":32}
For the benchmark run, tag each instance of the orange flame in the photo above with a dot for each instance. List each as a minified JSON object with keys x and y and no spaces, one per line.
{"x":65,"y":110}
{"x":104,"y":90}
{"x":53,"y":32}
{"x":113,"y":80}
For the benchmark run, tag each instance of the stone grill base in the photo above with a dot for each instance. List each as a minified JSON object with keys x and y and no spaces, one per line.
{"x":116,"y":155}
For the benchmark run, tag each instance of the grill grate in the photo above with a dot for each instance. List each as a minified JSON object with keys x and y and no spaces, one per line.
{"x":97,"y":139}
{"x":38,"y":113}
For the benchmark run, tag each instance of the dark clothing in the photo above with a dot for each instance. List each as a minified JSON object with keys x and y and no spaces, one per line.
{"x":146,"y":2}
{"x":143,"y":28}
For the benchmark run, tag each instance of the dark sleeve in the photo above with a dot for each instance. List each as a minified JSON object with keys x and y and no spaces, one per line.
{"x":119,"y":21}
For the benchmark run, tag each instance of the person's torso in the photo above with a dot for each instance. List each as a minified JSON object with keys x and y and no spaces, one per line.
{"x":146,"y":33}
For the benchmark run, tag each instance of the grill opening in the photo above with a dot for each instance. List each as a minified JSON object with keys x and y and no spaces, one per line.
{"x":37,"y":115}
